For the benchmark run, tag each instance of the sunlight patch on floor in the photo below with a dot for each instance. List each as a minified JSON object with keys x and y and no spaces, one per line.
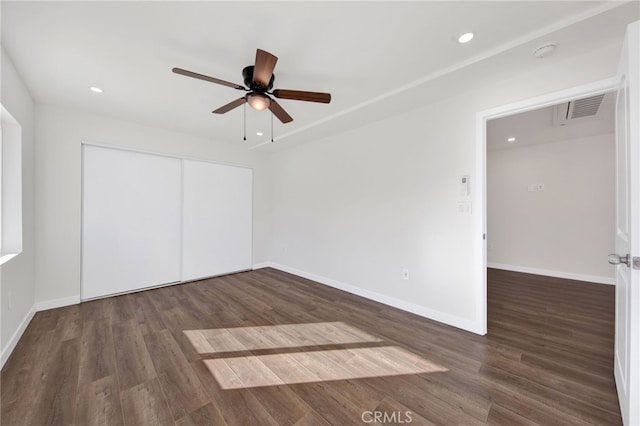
{"x":317,"y":366}
{"x":275,"y":336}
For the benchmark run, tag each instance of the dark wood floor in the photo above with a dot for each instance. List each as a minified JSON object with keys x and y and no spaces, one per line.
{"x":268,"y":348}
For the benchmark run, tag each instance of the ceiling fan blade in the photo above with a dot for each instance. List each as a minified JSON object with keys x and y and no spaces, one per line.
{"x":207,"y":78}
{"x":231,"y":105}
{"x":263,"y":69}
{"x":299,"y":95}
{"x":279,"y":112}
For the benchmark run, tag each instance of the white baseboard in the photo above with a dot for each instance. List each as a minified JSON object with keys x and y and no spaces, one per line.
{"x":557,"y":274}
{"x":11,"y":344}
{"x":422,"y":311}
{"x":56,"y":303}
{"x":261,"y":265}
{"x":37,"y":307}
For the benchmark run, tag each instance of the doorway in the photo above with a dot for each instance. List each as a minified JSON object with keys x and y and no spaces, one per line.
{"x":551,"y":190}
{"x":538,"y":179}
{"x":482,"y":119}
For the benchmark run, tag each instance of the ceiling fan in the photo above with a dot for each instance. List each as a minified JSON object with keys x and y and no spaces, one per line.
{"x":258,"y":80}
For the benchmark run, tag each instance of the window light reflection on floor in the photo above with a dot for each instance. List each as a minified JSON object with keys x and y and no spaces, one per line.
{"x":294,"y":364}
{"x":275,"y":336}
{"x":316,"y":366}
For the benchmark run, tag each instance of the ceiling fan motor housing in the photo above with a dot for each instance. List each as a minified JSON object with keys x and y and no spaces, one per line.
{"x":247,"y":74}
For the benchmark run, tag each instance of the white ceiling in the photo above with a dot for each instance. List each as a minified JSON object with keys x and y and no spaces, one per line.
{"x":539,"y":126}
{"x":361,"y":52}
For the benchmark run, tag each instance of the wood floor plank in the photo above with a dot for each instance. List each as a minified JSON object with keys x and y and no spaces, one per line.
{"x":204,"y":416}
{"x":69,"y":323}
{"x":144,"y":404}
{"x":312,"y":419}
{"x":268,"y":348}
{"x":123,"y":309}
{"x":237,"y":406}
{"x":550,"y":380}
{"x":285,"y":405}
{"x":180,"y":318}
{"x":355,"y":394}
{"x":396,"y":413}
{"x":503,"y":417}
{"x":149,"y":319}
{"x":99,"y":404}
{"x":431,"y":406}
{"x":572,"y":406}
{"x":133,"y":361}
{"x":22,"y":365}
{"x":97,"y":309}
{"x":179,"y":383}
{"x":474,"y":401}
{"x":97,"y":352}
{"x":22,"y":375}
{"x":55,"y":400}
{"x":187,"y":346}
{"x":321,"y":396}
{"x":531,"y":409}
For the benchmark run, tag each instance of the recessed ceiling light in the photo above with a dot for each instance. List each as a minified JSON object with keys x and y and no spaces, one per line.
{"x":511,"y":140}
{"x":96,"y":89}
{"x":465,"y":38}
{"x":259,"y":133}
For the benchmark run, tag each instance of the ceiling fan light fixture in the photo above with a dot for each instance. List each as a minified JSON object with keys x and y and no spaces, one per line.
{"x":258,"y":101}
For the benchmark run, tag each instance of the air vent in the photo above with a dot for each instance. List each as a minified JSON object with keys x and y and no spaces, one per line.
{"x":578,"y":109}
{"x":585,"y":107}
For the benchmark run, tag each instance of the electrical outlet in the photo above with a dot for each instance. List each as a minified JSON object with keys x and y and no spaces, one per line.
{"x":405,"y":274}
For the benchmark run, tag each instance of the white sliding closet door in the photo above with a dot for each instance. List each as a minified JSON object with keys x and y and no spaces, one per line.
{"x":131,"y":221}
{"x":217,"y":219}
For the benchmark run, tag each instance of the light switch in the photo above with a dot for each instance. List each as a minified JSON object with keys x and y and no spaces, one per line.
{"x":541,"y":187}
{"x":532,"y":187}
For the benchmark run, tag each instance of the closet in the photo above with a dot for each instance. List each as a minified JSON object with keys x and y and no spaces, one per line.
{"x":150,"y":220}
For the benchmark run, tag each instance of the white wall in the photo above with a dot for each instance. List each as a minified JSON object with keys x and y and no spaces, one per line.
{"x":17,"y":275}
{"x":361,"y":206}
{"x":565,"y":230}
{"x":59,"y":133}
{"x":353,"y":210}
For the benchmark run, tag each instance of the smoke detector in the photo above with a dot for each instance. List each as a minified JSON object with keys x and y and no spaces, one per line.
{"x":545,"y":50}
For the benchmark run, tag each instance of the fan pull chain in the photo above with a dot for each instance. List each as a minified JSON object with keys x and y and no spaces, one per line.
{"x":271,"y":127}
{"x":244,"y":138}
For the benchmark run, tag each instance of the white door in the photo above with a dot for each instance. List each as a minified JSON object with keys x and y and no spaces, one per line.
{"x":130,"y":221}
{"x":627,"y":327}
{"x":216,"y":219}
